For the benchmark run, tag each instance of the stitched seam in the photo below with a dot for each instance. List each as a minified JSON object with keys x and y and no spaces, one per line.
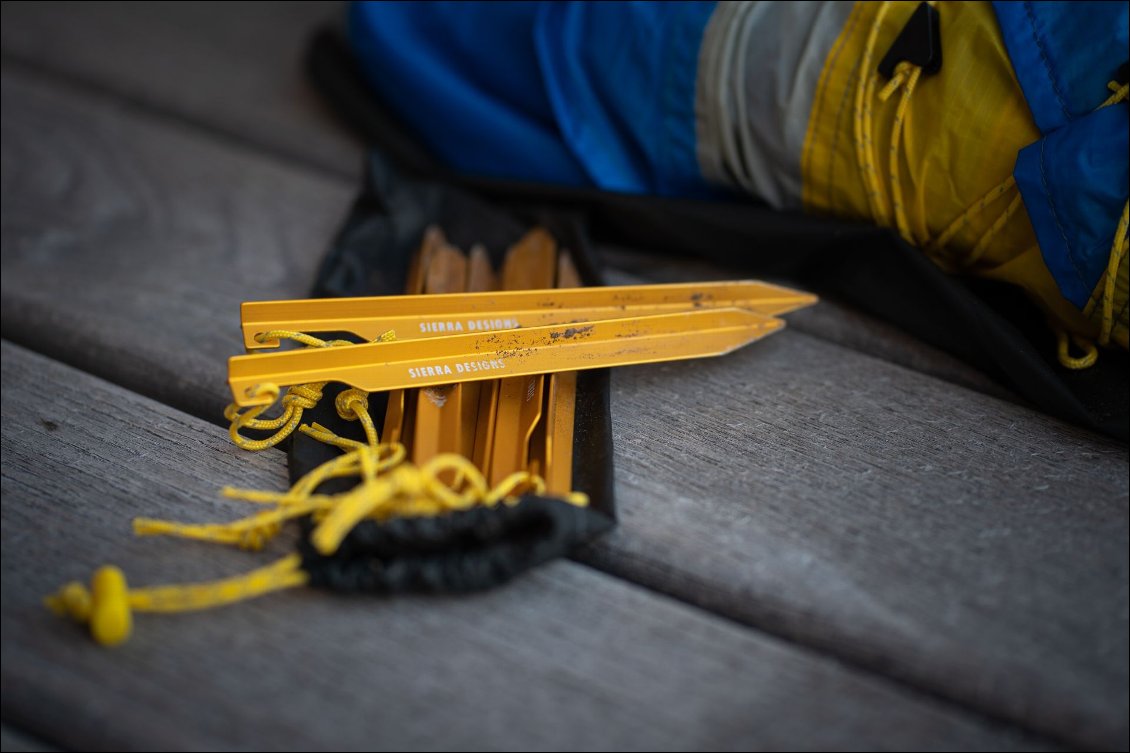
{"x":1055,"y":217}
{"x":820,"y":105}
{"x":1046,"y":60}
{"x":836,"y":131}
{"x":1097,"y":310}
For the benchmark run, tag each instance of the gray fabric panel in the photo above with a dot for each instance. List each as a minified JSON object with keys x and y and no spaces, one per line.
{"x":758,"y":69}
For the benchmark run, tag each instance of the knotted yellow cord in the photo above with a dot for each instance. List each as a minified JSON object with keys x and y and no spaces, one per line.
{"x":906,"y":77}
{"x":298,"y":398}
{"x":387,"y":487}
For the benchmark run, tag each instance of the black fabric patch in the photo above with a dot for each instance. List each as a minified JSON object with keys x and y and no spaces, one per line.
{"x":470,"y":549}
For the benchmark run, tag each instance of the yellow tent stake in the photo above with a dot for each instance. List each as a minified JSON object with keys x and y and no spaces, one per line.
{"x":538,"y":350}
{"x":422,"y":316}
{"x":531,"y":263}
{"x":556,"y":457}
{"x":480,"y":278}
{"x":417,"y":269}
{"x":437,"y":426}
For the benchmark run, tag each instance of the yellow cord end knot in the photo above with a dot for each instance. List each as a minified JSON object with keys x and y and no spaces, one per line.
{"x":111,"y":621}
{"x":304,"y":396}
{"x":254,"y":539}
{"x":347,"y":402}
{"x":73,"y":600}
{"x":105,"y":607}
{"x":578,"y":499}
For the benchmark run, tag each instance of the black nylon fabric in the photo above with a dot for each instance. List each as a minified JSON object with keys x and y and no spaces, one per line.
{"x":471,"y":549}
{"x":990,"y":325}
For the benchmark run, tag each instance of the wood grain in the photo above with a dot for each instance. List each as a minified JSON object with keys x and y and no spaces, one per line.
{"x":965,"y":545}
{"x":122,"y":235}
{"x":17,"y":741}
{"x":235,"y":68}
{"x":929,"y":532}
{"x":565,"y":658}
{"x":831,"y":320}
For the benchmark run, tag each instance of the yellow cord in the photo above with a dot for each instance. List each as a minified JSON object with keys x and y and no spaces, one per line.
{"x":298,"y":398}
{"x":1117,"y":252}
{"x":983,"y":244}
{"x":1119,"y":94}
{"x":108,"y":605}
{"x":906,"y":77}
{"x":894,"y":174}
{"x":862,"y":123}
{"x":387,"y":487}
{"x":974,"y":209}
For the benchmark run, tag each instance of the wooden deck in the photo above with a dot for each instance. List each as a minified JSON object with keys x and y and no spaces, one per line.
{"x":838,"y":538}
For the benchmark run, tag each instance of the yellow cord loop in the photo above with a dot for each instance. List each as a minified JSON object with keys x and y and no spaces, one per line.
{"x":299,"y":398}
{"x":1063,"y":350}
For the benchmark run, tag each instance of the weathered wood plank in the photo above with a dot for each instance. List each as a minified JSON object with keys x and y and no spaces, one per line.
{"x":929,"y":532}
{"x":966,"y":545}
{"x":566,"y":658}
{"x":16,"y":741}
{"x":234,"y":67}
{"x":111,"y":224}
{"x":831,"y":320}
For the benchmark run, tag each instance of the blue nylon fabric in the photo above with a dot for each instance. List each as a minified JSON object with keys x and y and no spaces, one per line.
{"x":621,"y":78}
{"x":466,"y":79}
{"x":1074,"y":180}
{"x":1074,"y":183}
{"x":1064,"y":53}
{"x":582,"y":94}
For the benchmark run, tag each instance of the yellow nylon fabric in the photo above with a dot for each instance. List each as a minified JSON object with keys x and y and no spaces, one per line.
{"x":962,"y":130}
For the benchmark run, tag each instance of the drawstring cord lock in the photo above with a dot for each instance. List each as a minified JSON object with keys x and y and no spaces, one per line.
{"x":919,"y":43}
